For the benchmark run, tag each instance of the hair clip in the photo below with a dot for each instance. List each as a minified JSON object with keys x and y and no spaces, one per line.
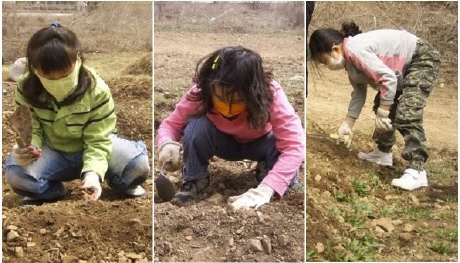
{"x":55,"y":24}
{"x":214,"y":64}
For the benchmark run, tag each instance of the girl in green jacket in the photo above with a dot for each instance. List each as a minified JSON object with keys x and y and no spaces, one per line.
{"x":73,"y":127}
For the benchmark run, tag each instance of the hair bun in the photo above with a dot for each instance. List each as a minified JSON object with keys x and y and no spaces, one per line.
{"x":350,"y":29}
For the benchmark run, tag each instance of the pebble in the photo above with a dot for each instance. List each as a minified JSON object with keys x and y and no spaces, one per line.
{"x":414,"y":199}
{"x":12,"y":227}
{"x":260,"y":217}
{"x":397,"y":222}
{"x":405,"y":237}
{"x":283,"y":240}
{"x":408,"y":228}
{"x":266,"y":244}
{"x":319,"y":247}
{"x":188,"y":238}
{"x":386,"y":224}
{"x":12,"y":236}
{"x":240,"y":230}
{"x":42,"y":231}
{"x":19,"y":252}
{"x":255,"y":245}
{"x":31,"y":244}
{"x":318,"y":178}
{"x":216,"y":199}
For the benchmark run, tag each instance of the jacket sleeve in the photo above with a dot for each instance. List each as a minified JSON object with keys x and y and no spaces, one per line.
{"x":381,"y":74}
{"x":358,"y":98}
{"x":172,"y":128}
{"x":37,"y":131}
{"x":97,"y":146}
{"x":290,"y":141}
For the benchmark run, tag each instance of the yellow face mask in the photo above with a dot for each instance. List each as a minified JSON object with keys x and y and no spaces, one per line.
{"x":226,"y":109}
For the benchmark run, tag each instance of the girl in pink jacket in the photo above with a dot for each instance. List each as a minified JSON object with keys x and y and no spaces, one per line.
{"x":234,"y":111}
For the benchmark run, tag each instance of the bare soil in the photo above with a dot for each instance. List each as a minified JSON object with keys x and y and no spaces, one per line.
{"x":207,"y":229}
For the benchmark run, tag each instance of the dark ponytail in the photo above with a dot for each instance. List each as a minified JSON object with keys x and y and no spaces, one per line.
{"x":350,"y":29}
{"x":322,"y":40}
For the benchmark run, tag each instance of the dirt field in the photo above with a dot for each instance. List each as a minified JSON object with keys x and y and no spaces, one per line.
{"x":72,"y":230}
{"x":353,"y":213}
{"x":208,"y":230}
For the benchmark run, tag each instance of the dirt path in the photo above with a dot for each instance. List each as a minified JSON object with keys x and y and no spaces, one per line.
{"x":208,"y":230}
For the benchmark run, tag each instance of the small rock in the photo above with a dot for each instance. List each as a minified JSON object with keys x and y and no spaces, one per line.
{"x":69,"y":259}
{"x":42,"y":231}
{"x":19,"y":252}
{"x":414,"y":199}
{"x":425,"y":224}
{"x":405,"y":237}
{"x":283,"y":240}
{"x":266,"y":244}
{"x":260,"y":217}
{"x":59,"y":232}
{"x":255,"y":245}
{"x":12,"y":227}
{"x":31,"y":244}
{"x":12,"y":236}
{"x":240,"y":230}
{"x":408,"y":228}
{"x":134,"y":256}
{"x":135,"y":221}
{"x":230,"y":242}
{"x":318,"y":178}
{"x":319,"y":247}
{"x":397,"y":222}
{"x":188,"y":238}
{"x":386,"y":224}
{"x":216,"y":199}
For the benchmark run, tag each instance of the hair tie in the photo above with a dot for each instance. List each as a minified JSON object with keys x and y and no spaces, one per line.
{"x":55,"y":24}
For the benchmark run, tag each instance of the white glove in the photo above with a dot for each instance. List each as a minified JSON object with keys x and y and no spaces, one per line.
{"x":345,"y":133}
{"x":25,"y":156}
{"x":253,"y":198}
{"x":382,"y":121}
{"x":91,"y":187}
{"x":169,"y":155}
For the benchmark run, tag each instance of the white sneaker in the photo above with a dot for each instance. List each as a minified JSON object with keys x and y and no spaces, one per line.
{"x":378,"y":157}
{"x":411,"y":180}
{"x":137,"y":191}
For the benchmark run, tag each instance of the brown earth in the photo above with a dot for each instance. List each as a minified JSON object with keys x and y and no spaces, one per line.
{"x":207,"y":229}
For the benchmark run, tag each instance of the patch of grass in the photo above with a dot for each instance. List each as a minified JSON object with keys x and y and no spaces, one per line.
{"x":339,"y":196}
{"x":390,"y":210}
{"x":361,"y":187}
{"x":310,"y":255}
{"x":448,"y":216}
{"x":416,"y":213}
{"x":448,"y":234}
{"x":374,"y":179}
{"x":442,"y":248}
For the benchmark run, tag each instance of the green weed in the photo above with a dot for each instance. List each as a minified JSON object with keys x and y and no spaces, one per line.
{"x":448,"y":234}
{"x":361,"y":187}
{"x":442,"y":248}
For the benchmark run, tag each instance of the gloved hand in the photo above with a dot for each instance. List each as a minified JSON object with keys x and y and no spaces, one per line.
{"x":345,"y":133}
{"x":25,"y":156}
{"x":382,"y":121}
{"x":253,"y":198}
{"x":169,"y":155}
{"x":91,"y":187}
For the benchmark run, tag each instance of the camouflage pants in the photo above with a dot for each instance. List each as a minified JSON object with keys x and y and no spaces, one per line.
{"x":406,"y":113}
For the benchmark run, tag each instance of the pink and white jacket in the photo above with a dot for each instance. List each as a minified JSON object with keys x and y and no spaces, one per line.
{"x":378,"y":58}
{"x":284,"y":123}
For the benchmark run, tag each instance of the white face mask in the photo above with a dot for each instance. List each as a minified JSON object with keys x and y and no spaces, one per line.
{"x":336,"y":64}
{"x":61,"y":88}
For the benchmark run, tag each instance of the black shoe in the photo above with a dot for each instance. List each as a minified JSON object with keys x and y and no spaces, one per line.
{"x":32,"y":201}
{"x":189,"y":190}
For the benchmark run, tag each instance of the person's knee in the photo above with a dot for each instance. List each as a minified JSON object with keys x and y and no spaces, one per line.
{"x":14,"y":175}
{"x":198,"y":129}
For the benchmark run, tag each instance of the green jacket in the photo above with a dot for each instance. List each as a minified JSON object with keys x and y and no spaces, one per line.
{"x":83,"y":126}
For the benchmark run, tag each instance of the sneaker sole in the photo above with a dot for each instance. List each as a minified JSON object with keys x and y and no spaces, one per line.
{"x":374,"y":161}
{"x":396,"y":184}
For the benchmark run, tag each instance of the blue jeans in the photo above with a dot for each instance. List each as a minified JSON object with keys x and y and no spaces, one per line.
{"x":128,"y":167}
{"x":202,"y":141}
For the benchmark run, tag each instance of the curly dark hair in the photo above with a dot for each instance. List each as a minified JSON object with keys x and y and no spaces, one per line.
{"x":238,"y":70}
{"x":53,"y":49}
